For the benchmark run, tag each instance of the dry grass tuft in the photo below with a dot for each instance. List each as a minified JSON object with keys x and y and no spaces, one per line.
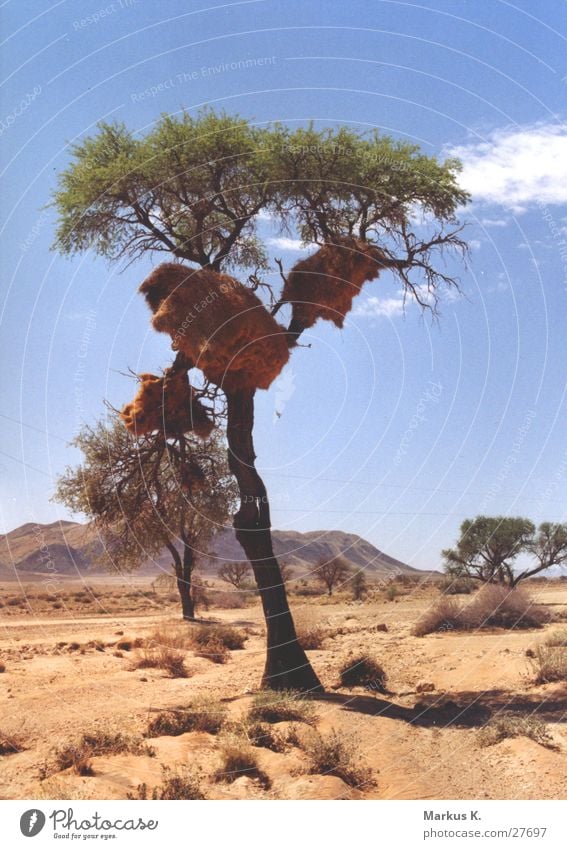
{"x":281,"y":706}
{"x":176,"y":784}
{"x":10,"y":744}
{"x":557,"y":639}
{"x":77,"y":756}
{"x":265,"y":736}
{"x":238,"y":759}
{"x":549,"y":662}
{"x":363,"y":671}
{"x":507,"y":726}
{"x":201,"y":715}
{"x":337,"y":755}
{"x":128,"y":644}
{"x":445,"y":615}
{"x":312,"y":637}
{"x":163,"y":657}
{"x":215,"y":641}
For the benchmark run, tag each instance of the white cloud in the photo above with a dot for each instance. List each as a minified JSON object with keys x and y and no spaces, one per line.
{"x":374,"y":307}
{"x":286,"y":244}
{"x":494,"y":222}
{"x":387,"y":307}
{"x":517,"y":167}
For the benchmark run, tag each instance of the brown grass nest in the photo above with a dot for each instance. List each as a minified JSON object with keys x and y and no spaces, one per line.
{"x":325,"y":284}
{"x":219,"y":324}
{"x":167,"y":404}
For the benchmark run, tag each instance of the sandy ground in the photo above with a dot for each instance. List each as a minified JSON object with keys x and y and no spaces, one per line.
{"x":421,"y":740}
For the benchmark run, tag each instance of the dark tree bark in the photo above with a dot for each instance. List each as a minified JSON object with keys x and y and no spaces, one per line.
{"x":183,"y":571}
{"x":287,"y":666}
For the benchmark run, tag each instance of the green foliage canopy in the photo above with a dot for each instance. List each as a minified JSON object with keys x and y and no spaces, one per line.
{"x":195,"y":187}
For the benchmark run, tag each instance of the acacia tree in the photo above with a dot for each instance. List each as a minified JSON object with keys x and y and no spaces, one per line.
{"x":137,"y":493}
{"x":234,"y":573}
{"x":489,"y":546}
{"x":193,"y":188}
{"x":332,"y":573}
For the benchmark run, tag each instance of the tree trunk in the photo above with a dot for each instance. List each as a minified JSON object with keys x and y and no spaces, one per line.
{"x":184,"y":584}
{"x":287,"y":666}
{"x":183,"y":570}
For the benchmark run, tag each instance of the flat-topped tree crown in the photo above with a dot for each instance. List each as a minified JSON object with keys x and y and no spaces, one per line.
{"x":194,"y":187}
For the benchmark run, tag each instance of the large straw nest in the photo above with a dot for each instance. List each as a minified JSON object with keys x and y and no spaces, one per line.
{"x":219,"y":324}
{"x":167,"y":404}
{"x":324,"y":284}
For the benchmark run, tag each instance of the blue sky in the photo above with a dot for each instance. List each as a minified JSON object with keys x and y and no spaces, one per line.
{"x":395,"y":428}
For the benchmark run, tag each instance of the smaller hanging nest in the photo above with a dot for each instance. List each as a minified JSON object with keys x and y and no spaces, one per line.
{"x":168,"y":404}
{"x":219,"y":324}
{"x":325,"y":284}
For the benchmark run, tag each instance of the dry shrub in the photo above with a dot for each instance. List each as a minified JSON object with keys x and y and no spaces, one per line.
{"x":505,"y":726}
{"x":443,"y":616}
{"x":127,"y":644}
{"x":549,"y":663}
{"x":172,"y":637}
{"x":337,"y":755}
{"x":76,"y":756}
{"x":167,"y":404}
{"x":363,"y":671}
{"x":324,"y":284}
{"x":281,"y":706}
{"x":311,"y":637}
{"x":265,"y":736}
{"x":225,"y":635}
{"x":181,"y":783}
{"x":557,"y":639}
{"x":239,"y":759}
{"x":10,"y":744}
{"x":494,"y":606}
{"x":163,"y":657}
{"x":219,"y":324}
{"x":201,"y":715}
{"x":2,"y":667}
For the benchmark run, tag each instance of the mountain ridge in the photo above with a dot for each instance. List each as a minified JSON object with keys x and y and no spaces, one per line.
{"x":66,"y":547}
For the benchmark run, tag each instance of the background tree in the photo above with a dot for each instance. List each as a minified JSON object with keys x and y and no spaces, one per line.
{"x":234,"y":573}
{"x":332,"y":573}
{"x":359,"y":586}
{"x":548,"y":548}
{"x":194,"y":187}
{"x":489,"y":547}
{"x":136,"y":492}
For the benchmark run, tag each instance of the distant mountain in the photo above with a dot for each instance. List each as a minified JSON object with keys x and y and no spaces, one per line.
{"x":69,"y":548}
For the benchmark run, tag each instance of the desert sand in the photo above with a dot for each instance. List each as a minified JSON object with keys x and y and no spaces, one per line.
{"x":66,"y":675}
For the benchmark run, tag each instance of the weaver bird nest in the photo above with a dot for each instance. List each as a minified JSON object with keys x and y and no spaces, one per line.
{"x":167,"y":404}
{"x":221,"y":326}
{"x":324,"y":284}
